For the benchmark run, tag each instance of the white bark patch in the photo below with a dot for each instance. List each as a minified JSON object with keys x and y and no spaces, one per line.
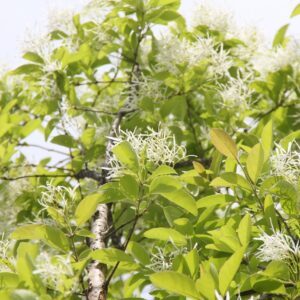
{"x":97,"y":271}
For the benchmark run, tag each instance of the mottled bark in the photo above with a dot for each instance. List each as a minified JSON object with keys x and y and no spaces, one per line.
{"x":96,"y":271}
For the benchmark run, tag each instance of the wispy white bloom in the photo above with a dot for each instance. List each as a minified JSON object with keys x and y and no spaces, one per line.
{"x":213,"y":17}
{"x":59,"y":19}
{"x":7,"y":262}
{"x":55,"y":272}
{"x":272,"y":60}
{"x":158,"y":147}
{"x":219,"y":297}
{"x":60,"y":197}
{"x":253,"y":39}
{"x":235,"y":93}
{"x":144,"y":87}
{"x":73,"y":125}
{"x":220,"y":62}
{"x":277,"y":246}
{"x":162,"y":258}
{"x":174,"y":51}
{"x":286,"y":162}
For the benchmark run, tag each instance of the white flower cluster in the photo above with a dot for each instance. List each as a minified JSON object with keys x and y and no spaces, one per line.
{"x":73,"y":125}
{"x":162,"y":259}
{"x":272,"y":60}
{"x":55,"y":272}
{"x":173,"y":51}
{"x":277,"y":246}
{"x":57,"y":196}
{"x":213,"y":17}
{"x":158,"y":147}
{"x":7,"y":262}
{"x":144,"y":87}
{"x":286,"y":162}
{"x":235,"y":93}
{"x":59,"y":19}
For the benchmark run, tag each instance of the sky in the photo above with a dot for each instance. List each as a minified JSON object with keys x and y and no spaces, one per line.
{"x":18,"y":18}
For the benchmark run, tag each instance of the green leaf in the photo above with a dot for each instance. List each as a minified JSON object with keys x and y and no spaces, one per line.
{"x":163,"y":170}
{"x":267,"y":139}
{"x":88,"y":137}
{"x":86,"y":208}
{"x":223,"y":142}
{"x":110,"y":256}
{"x":230,"y":179}
{"x":182,"y":199}
{"x":166,"y":234}
{"x":52,"y":236}
{"x":289,"y":138}
{"x":193,"y":261}
{"x":229,"y":269}
{"x":280,"y":36}
{"x":129,"y":187}
{"x":269,"y":213}
{"x":126,"y":155}
{"x":244,"y":230}
{"x":296,"y":11}
{"x":177,"y":283}
{"x":26,"y":69}
{"x":138,"y":252}
{"x":255,"y":161}
{"x":278,"y":270}
{"x":64,"y":140}
{"x":34,"y":57}
{"x":164,"y":184}
{"x":8,"y":280}
{"x":217,"y":199}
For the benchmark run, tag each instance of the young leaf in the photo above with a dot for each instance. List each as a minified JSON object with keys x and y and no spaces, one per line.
{"x":223,"y":142}
{"x":138,"y":251}
{"x":52,"y":236}
{"x":280,"y":35}
{"x":244,"y":230}
{"x":164,"y":184}
{"x":296,"y":11}
{"x":86,"y":208}
{"x":255,"y":162}
{"x":217,"y":199}
{"x":267,"y":139}
{"x":182,"y":199}
{"x":111,"y":256}
{"x":229,"y":269}
{"x":231,"y":179}
{"x":126,"y":155}
{"x":175,"y":283}
{"x":129,"y":187}
{"x":166,"y":234}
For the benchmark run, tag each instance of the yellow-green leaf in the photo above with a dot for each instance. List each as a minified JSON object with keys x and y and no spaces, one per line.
{"x":86,"y":208}
{"x":296,"y":11}
{"x":229,"y":269}
{"x":223,"y":142}
{"x":166,"y":234}
{"x":267,"y":139}
{"x":244,"y":230}
{"x":177,"y":283}
{"x":255,"y":162}
{"x":126,"y":155}
{"x":280,"y":35}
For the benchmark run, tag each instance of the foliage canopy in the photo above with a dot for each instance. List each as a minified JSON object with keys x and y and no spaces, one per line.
{"x":179,"y":169}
